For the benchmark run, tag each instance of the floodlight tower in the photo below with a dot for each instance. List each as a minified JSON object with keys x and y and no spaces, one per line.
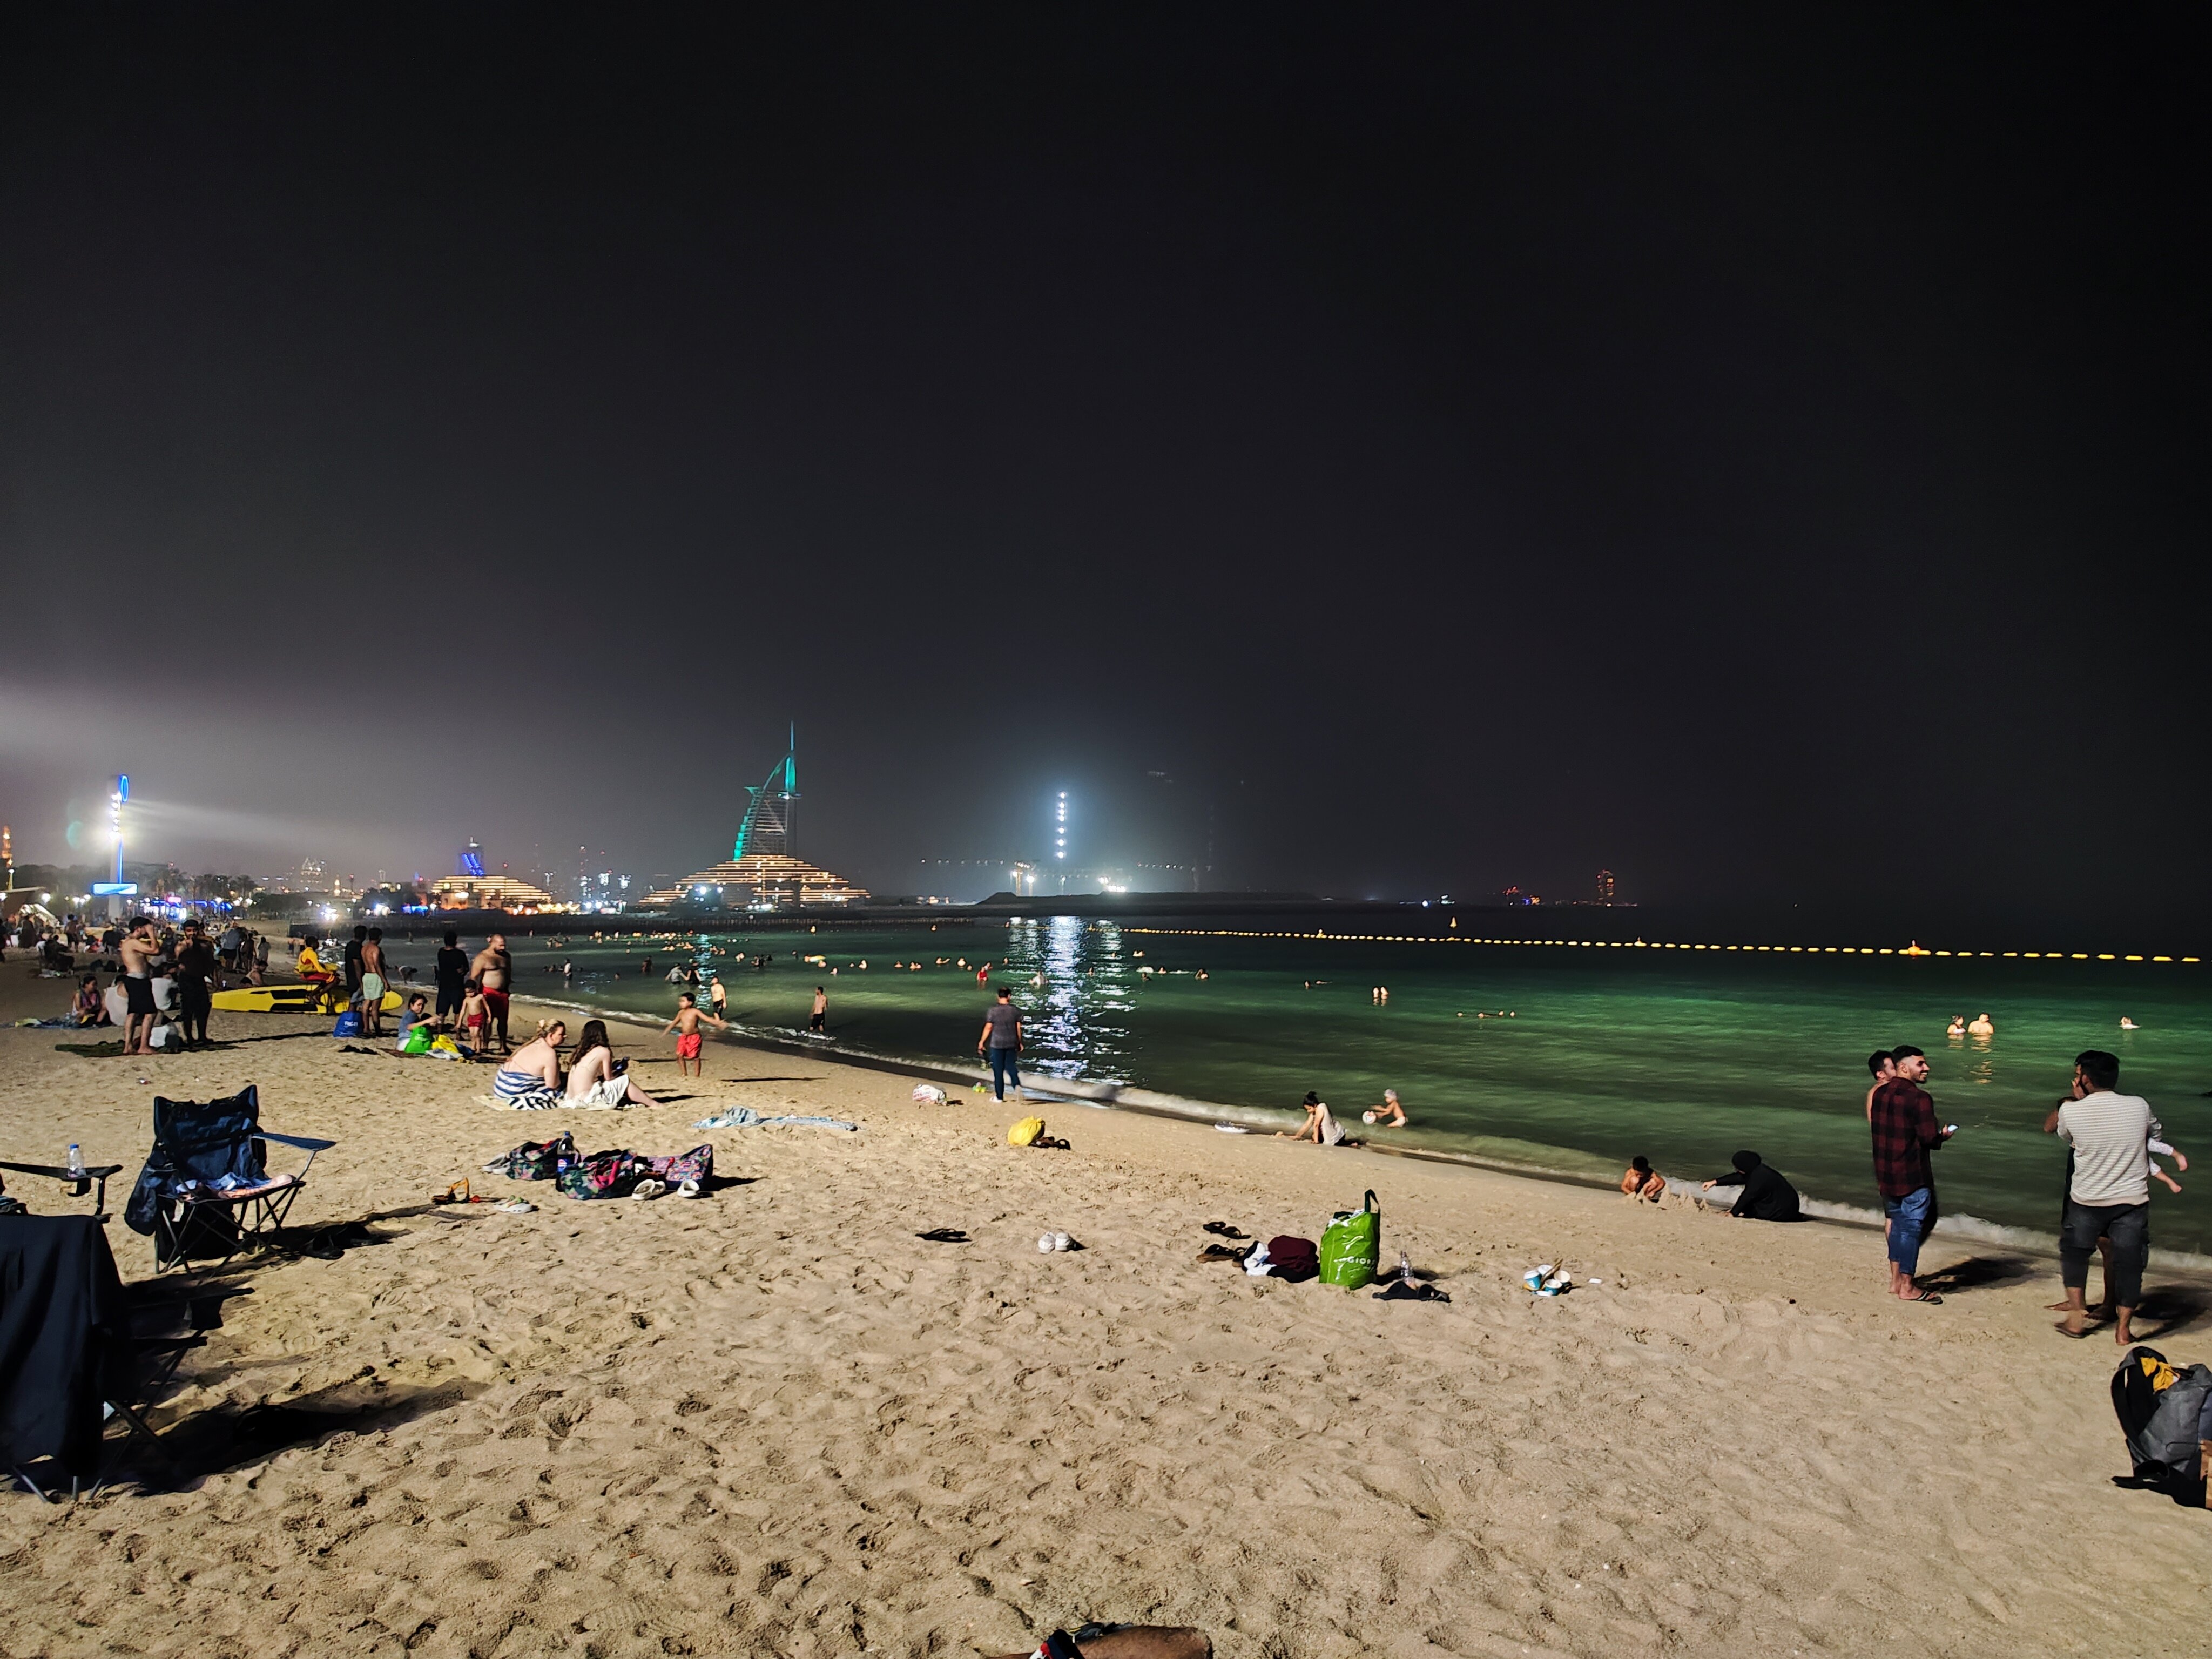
{"x":1060,"y":839}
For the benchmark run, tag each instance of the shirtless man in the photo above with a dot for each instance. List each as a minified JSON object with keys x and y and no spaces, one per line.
{"x":375,"y":980}
{"x":138,"y":950}
{"x":689,"y":1042}
{"x":493,"y":969}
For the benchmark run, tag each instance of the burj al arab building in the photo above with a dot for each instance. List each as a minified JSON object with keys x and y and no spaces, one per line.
{"x":763,"y":871}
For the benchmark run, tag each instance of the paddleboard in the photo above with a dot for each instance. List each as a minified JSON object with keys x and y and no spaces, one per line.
{"x":285,"y":1000}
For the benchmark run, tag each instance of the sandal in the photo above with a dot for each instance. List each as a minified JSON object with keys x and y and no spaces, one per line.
{"x":647,"y":1188}
{"x":456,"y":1193}
{"x":1928,"y":1297}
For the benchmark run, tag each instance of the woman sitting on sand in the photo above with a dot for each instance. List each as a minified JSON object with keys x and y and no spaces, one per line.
{"x":529,"y":1080}
{"x":1320,"y":1128}
{"x":591,"y":1079}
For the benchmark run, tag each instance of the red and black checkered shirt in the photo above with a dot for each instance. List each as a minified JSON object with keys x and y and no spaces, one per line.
{"x":1905,"y":1132}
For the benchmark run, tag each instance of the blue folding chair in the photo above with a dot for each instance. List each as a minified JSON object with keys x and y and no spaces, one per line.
{"x":206,"y":1189}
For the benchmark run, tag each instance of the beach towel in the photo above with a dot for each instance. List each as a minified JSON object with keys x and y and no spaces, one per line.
{"x":743,"y":1117}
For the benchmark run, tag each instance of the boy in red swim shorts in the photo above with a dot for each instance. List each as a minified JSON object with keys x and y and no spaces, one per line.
{"x":689,"y":1042}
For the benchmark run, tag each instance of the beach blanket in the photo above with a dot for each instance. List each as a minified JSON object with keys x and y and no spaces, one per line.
{"x":744,"y":1117}
{"x":547,"y":1100}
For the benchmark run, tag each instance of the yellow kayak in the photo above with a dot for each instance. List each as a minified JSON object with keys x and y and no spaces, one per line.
{"x":285,"y":1000}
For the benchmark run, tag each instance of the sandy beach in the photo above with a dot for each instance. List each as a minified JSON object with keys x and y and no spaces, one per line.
{"x":774,"y":1421}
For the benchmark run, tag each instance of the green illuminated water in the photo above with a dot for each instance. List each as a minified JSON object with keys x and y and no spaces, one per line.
{"x":1685,"y":1057}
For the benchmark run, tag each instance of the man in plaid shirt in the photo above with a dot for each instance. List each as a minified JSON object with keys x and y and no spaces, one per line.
{"x":1905,"y":1132}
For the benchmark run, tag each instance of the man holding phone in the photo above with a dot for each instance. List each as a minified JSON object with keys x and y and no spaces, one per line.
{"x":1905,"y":1132}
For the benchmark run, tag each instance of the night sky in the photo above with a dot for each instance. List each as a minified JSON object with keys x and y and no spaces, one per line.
{"x":1760,"y":451}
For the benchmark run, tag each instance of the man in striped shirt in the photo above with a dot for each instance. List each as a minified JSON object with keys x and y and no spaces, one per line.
{"x":2109,"y":1195}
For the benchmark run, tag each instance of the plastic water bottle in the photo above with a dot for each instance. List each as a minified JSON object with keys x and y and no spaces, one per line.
{"x":76,"y":1161}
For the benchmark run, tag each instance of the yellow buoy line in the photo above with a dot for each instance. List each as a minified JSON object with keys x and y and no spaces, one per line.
{"x":1650,"y":944}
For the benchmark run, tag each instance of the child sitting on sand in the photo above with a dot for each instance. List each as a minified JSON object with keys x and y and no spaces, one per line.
{"x":689,"y":1042}
{"x":1641,"y":1180}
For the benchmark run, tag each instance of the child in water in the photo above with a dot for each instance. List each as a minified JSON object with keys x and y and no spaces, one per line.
{"x":1641,"y":1180}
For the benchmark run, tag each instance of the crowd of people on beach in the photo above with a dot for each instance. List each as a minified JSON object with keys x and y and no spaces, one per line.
{"x":164,"y":974}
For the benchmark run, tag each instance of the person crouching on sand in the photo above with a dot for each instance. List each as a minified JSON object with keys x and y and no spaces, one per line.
{"x":1319,"y":1127}
{"x":1640,"y":1180}
{"x":689,"y":1042}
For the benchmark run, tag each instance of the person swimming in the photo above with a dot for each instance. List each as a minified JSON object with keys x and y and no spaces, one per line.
{"x":1957,"y":1028}
{"x":1981,"y":1026}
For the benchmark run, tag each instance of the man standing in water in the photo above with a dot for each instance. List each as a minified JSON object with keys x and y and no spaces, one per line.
{"x":493,"y":969}
{"x":1905,"y":1132}
{"x":819,"y":1019}
{"x":1002,"y":1042}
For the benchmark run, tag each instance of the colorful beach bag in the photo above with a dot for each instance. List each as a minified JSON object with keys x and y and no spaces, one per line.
{"x":418,"y":1040}
{"x":602,"y":1174}
{"x":697,"y":1164}
{"x":535,"y":1160}
{"x":1352,"y":1244}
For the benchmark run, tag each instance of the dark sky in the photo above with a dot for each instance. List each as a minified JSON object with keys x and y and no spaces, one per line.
{"x":1759,"y":451}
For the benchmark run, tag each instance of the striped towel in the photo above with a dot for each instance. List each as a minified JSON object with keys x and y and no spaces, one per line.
{"x":521,"y":1092}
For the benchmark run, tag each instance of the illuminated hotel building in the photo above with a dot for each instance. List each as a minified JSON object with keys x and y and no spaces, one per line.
{"x":763,"y":871}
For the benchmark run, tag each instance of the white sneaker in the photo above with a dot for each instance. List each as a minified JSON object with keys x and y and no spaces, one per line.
{"x":1062,"y":1242}
{"x":1044,"y":1244}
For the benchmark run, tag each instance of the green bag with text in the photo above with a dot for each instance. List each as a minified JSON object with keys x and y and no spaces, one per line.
{"x":1352,"y":1244}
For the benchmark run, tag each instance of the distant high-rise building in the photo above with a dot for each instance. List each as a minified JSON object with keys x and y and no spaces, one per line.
{"x":1605,"y":887}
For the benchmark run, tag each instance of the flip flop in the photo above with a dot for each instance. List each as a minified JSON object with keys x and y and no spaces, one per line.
{"x":456,"y":1193}
{"x":1928,"y":1297}
{"x":2078,"y":1336}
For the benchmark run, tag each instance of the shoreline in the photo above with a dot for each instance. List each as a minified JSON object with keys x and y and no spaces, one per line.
{"x":1125,"y":1098}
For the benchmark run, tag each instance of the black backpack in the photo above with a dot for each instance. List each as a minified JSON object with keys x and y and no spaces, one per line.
{"x":2165,"y":1414}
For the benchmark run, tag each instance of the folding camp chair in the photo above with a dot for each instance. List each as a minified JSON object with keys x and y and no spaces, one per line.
{"x":68,"y":1363}
{"x":205,"y":1185}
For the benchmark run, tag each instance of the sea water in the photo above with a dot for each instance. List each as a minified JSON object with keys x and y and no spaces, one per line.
{"x":1563,"y":1059}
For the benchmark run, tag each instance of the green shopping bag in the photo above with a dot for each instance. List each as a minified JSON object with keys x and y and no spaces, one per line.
{"x":1352,"y":1244}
